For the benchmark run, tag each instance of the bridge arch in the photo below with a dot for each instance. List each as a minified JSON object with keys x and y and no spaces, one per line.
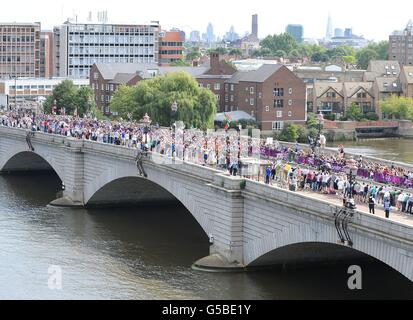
{"x":121,"y":184}
{"x":21,"y":160}
{"x":312,"y":251}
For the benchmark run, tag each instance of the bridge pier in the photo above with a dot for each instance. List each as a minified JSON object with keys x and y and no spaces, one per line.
{"x":73,"y":195}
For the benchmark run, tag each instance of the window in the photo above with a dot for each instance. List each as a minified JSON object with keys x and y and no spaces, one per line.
{"x":201,"y":85}
{"x":232,"y":98}
{"x":226,"y":87}
{"x":278,"y":92}
{"x":278,"y":103}
{"x":208,"y":86}
{"x":93,"y":86}
{"x":226,"y":98}
{"x":217,"y":86}
{"x":252,"y":102}
{"x":279,"y":114}
{"x":277,"y":125}
{"x":290,"y":102}
{"x":267,"y":108}
{"x":361,"y":95}
{"x":232,"y":87}
{"x":218,"y":97}
{"x":290,"y":90}
{"x":290,"y":114}
{"x":251,"y":90}
{"x":331,"y":94}
{"x":96,"y":76}
{"x":260,"y":95}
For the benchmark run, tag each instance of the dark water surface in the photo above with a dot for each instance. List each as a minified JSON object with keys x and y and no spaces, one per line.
{"x":142,"y":253}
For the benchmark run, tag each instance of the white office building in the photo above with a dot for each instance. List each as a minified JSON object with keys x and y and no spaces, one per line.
{"x":78,"y":46}
{"x":22,"y":90}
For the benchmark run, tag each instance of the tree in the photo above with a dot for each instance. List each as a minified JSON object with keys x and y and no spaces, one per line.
{"x":290,"y":133}
{"x":280,"y":53}
{"x":364,"y":56}
{"x":350,"y":60}
{"x":381,"y":49}
{"x":397,"y":107}
{"x":179,"y":63}
{"x":235,"y":52}
{"x":68,"y":96}
{"x":84,"y":100}
{"x":294,"y":53}
{"x":193,"y":54}
{"x":284,"y":42}
{"x":123,"y":101}
{"x":196,"y":106}
{"x":354,"y":112}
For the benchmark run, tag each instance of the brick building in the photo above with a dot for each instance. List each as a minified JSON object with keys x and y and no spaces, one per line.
{"x":171,"y":47}
{"x":272,"y":94}
{"x":19,"y":50}
{"x":401,"y":45}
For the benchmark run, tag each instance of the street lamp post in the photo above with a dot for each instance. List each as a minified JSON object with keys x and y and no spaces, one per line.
{"x":320,"y":122}
{"x":174,"y":109}
{"x":351,"y":171}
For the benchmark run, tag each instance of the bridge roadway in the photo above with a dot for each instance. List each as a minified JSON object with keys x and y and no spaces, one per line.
{"x":249,"y":223}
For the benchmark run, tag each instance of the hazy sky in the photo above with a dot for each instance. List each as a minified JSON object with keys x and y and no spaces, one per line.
{"x":372,"y":19}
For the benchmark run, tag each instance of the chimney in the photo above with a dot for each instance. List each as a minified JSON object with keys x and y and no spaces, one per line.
{"x":215,"y":58}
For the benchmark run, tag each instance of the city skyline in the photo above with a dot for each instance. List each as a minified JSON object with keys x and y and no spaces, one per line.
{"x":374,"y":29}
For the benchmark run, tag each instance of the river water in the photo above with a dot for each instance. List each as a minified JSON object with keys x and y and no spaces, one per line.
{"x":143,"y":253}
{"x":400,"y":150}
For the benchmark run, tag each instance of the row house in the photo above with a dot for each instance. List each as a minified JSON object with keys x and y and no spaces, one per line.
{"x":381,"y":80}
{"x":406,"y":81}
{"x":335,"y":98}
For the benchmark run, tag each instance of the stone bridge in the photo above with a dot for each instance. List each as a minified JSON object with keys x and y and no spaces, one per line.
{"x":249,"y":224}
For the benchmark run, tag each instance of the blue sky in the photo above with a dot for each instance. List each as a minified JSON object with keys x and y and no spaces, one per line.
{"x":192,"y":15}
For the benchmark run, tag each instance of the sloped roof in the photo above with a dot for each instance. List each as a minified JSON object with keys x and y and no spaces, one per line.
{"x":110,"y":70}
{"x":122,"y":78}
{"x":353,"y":87}
{"x":262,"y":74}
{"x":237,"y":76}
{"x":380,"y":68}
{"x":369,"y":76}
{"x":408,"y":72}
{"x":393,"y":85}
{"x":193,"y":71}
{"x":322,"y":87}
{"x":122,"y":71}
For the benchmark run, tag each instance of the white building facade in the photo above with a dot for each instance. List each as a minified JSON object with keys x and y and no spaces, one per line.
{"x":78,"y":46}
{"x":22,"y":90}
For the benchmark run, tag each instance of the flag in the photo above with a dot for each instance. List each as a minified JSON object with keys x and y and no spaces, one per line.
{"x":227,"y":121}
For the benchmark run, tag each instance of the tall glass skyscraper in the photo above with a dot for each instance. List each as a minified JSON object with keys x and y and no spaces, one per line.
{"x":296,"y":31}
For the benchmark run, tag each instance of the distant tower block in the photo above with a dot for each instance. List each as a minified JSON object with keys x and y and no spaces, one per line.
{"x":255,"y":25}
{"x":329,"y":33}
